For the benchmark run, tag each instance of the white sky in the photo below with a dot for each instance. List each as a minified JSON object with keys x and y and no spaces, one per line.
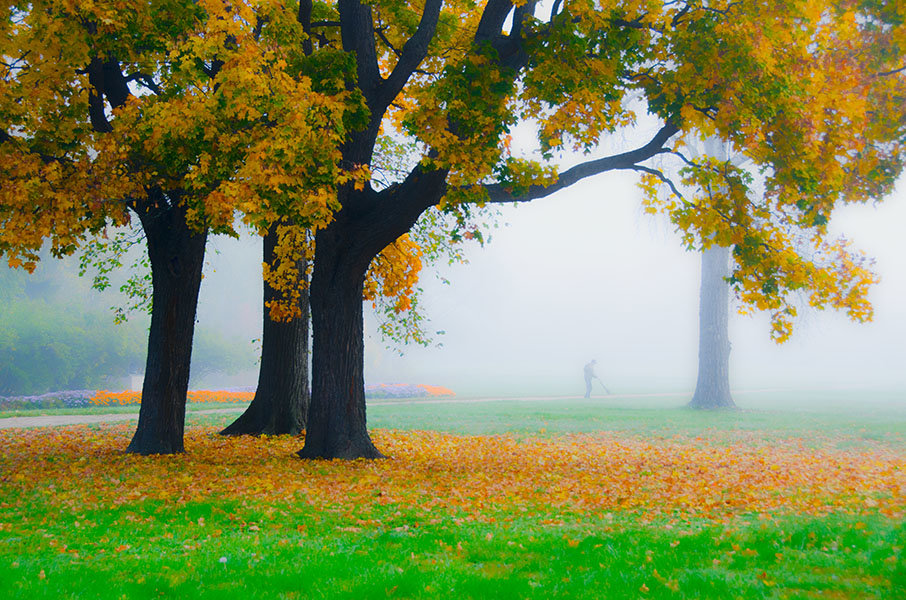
{"x":585,"y":274}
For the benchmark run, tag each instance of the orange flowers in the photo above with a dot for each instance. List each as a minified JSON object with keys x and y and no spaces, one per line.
{"x":105,"y":398}
{"x":130,"y":397}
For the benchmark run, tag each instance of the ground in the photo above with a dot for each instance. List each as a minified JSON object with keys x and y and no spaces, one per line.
{"x":536,"y":498}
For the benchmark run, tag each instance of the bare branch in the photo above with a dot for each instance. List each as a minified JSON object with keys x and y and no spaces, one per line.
{"x":380,"y":32}
{"x":893,"y":72}
{"x":660,"y":175}
{"x":498,"y":193}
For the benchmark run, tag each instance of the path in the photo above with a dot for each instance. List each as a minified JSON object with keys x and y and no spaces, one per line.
{"x":54,"y":420}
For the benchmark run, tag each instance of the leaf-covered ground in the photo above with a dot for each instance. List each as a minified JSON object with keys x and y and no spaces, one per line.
{"x":578,"y":515}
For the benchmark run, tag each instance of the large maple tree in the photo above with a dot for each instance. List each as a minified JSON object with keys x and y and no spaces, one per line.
{"x":810,"y":91}
{"x":179,"y":114}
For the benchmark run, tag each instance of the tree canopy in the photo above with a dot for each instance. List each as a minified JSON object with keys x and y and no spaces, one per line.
{"x":280,"y":111}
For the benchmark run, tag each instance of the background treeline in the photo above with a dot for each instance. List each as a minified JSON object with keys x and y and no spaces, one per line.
{"x":57,"y":333}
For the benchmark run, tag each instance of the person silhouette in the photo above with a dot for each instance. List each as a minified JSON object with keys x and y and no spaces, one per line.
{"x":589,"y":372}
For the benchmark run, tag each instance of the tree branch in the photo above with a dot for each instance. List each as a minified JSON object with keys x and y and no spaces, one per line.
{"x":660,"y":175}
{"x":145,"y":80}
{"x":498,"y":193}
{"x":492,"y":19}
{"x":893,"y":72}
{"x":304,"y":17}
{"x":413,"y":53}
{"x":380,"y":33}
{"x":357,"y":34}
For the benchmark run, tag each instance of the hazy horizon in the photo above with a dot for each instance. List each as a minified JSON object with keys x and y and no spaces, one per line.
{"x":585,"y":274}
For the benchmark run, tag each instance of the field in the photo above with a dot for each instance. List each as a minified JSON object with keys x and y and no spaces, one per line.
{"x":568,"y":498}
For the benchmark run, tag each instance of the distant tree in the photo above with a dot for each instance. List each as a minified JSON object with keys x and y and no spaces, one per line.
{"x":712,"y":389}
{"x":54,"y":337}
{"x":56,"y":333}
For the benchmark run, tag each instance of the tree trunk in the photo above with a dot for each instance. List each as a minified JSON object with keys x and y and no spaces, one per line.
{"x":176,"y":254}
{"x":336,"y":417}
{"x":712,"y":390}
{"x":280,"y":405}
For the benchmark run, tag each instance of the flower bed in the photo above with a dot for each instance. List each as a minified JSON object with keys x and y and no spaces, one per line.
{"x":89,"y":398}
{"x":64,"y":399}
{"x":405,"y":390}
{"x":105,"y":398}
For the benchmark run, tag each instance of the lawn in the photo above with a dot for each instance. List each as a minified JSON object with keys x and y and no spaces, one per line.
{"x":568,"y":498}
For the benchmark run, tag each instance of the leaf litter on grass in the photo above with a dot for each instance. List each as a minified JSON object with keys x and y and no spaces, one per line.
{"x":462,"y":474}
{"x":708,"y":517}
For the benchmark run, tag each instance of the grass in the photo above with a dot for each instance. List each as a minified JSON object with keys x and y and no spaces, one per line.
{"x":287,"y":550}
{"x":518,"y":499}
{"x":839,"y":419}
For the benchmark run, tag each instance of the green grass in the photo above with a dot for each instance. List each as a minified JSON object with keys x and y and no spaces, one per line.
{"x":226,"y":548}
{"x":842,"y":417}
{"x":854,"y":421}
{"x":853,"y":418}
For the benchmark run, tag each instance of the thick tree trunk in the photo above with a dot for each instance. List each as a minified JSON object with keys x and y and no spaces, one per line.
{"x":368,"y":222}
{"x":712,"y":390}
{"x":336,"y":417}
{"x":281,"y":401}
{"x":177,"y":255}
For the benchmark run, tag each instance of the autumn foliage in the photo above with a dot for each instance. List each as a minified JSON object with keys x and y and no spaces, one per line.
{"x":280,"y":113}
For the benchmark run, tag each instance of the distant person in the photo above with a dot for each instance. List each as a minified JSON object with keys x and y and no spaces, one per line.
{"x":589,"y":372}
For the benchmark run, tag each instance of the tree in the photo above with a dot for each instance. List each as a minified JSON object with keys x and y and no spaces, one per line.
{"x":53,"y":336}
{"x":752,"y":74}
{"x":280,"y":405}
{"x":277,"y":111}
{"x":179,"y":113}
{"x":712,"y":389}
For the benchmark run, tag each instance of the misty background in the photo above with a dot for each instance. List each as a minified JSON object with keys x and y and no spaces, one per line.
{"x":583,"y":274}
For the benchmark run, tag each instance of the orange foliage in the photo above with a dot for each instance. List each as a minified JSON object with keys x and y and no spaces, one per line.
{"x":442,"y":475}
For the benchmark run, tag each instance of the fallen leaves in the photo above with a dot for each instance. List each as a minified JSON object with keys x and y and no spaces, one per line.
{"x":443,"y":475}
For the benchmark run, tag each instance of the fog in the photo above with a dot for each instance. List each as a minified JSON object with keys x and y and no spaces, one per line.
{"x":585,"y":274}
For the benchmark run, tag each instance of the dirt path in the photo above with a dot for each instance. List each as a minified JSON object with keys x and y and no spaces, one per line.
{"x":56,"y":420}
